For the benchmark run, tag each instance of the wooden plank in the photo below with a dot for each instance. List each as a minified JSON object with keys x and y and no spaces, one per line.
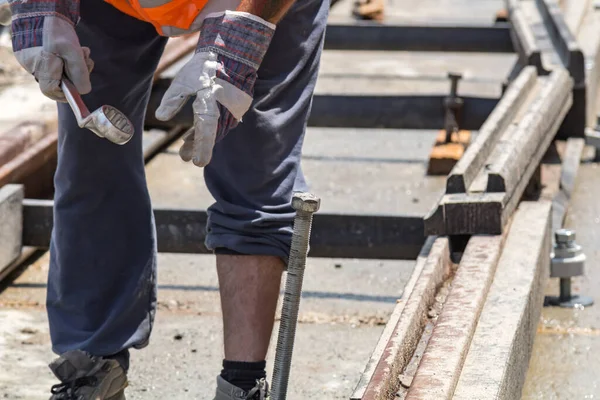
{"x":497,"y":361}
{"x":444,"y":156}
{"x":402,"y":341}
{"x":528,"y":143}
{"x":369,"y":9}
{"x":440,"y":366}
{"x":473,"y":160}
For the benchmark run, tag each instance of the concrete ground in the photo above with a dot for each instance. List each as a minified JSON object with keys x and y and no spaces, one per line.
{"x":346,"y":302}
{"x":565,"y":363}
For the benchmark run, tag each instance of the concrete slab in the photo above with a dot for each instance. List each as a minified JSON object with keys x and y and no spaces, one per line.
{"x":401,"y":72}
{"x":497,"y":360}
{"x":563,"y":364}
{"x":183,"y":359}
{"x":11,"y":223}
{"x":345,"y":306}
{"x":22,"y":101}
{"x":353,"y":170}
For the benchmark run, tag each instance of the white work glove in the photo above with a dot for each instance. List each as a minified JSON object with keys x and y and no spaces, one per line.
{"x":46,"y":45}
{"x":5,"y":14}
{"x":221,"y":75}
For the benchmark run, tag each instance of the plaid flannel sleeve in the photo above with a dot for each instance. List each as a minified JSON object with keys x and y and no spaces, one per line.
{"x":241,"y":41}
{"x":29,"y":15}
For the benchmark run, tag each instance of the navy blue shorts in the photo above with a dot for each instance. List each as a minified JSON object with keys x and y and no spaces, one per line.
{"x":102,"y":279}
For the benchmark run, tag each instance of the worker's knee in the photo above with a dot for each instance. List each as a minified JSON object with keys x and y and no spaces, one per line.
{"x":231,"y":236}
{"x":256,"y":220}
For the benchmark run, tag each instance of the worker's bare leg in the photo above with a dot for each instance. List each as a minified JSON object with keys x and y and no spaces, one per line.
{"x":253,"y":173}
{"x":249,"y":291}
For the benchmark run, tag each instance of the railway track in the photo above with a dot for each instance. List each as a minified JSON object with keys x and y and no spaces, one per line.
{"x":482,"y":252}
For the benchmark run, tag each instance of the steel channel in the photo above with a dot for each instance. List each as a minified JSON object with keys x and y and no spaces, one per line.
{"x":543,"y":39}
{"x":430,"y":37}
{"x":488,"y":212}
{"x":356,"y":111}
{"x":464,"y":172}
{"x":536,"y":129}
{"x":397,"y":237}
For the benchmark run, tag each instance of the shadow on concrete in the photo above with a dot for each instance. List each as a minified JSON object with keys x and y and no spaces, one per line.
{"x":305,"y":294}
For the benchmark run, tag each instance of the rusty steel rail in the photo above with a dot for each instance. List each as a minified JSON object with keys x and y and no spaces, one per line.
{"x":457,"y":353}
{"x":497,"y":182}
{"x":549,"y":39}
{"x":438,"y":340}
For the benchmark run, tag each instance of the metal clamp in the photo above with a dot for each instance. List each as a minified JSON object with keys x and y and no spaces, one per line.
{"x":567,"y":261}
{"x":453,"y":106}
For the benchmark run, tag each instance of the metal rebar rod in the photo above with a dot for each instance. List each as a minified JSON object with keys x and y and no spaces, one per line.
{"x":305,"y":205}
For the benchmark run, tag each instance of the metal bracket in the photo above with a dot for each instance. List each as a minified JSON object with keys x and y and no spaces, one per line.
{"x":454,"y":106}
{"x":567,"y":262}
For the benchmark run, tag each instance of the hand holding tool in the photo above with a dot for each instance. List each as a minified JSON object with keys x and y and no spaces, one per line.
{"x":106,"y":121}
{"x":305,"y":205}
{"x":46,"y":45}
{"x":221,"y":75}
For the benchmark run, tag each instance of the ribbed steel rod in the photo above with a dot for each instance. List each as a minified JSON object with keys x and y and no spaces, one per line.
{"x":305,"y":205}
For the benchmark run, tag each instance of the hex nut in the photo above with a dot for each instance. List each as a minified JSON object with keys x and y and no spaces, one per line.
{"x":306,"y":202}
{"x":567,"y":267}
{"x":573,"y":250}
{"x":564,"y":236}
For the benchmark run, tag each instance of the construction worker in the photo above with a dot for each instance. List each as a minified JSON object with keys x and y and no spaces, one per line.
{"x":256,"y":59}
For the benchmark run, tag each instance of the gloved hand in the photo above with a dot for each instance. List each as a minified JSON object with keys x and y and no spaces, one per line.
{"x":5,"y":14}
{"x":46,"y":45}
{"x":221,"y":75}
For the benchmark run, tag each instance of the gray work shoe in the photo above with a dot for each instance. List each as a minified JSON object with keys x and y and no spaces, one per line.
{"x":87,"y":378}
{"x":226,"y":391}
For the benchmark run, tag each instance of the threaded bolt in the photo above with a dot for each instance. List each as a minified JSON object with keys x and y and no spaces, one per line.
{"x":454,"y":78}
{"x":305,"y":205}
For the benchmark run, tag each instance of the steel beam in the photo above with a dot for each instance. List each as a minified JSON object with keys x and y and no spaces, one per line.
{"x":496,"y":186}
{"x":403,"y":331}
{"x":356,"y":111}
{"x":543,"y":39}
{"x":367,"y":35}
{"x":443,"y":340}
{"x":439,"y":369}
{"x":465,"y":171}
{"x":334,"y":235}
{"x":496,"y":364}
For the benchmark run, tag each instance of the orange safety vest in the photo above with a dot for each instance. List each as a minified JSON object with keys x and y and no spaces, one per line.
{"x":169,"y":17}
